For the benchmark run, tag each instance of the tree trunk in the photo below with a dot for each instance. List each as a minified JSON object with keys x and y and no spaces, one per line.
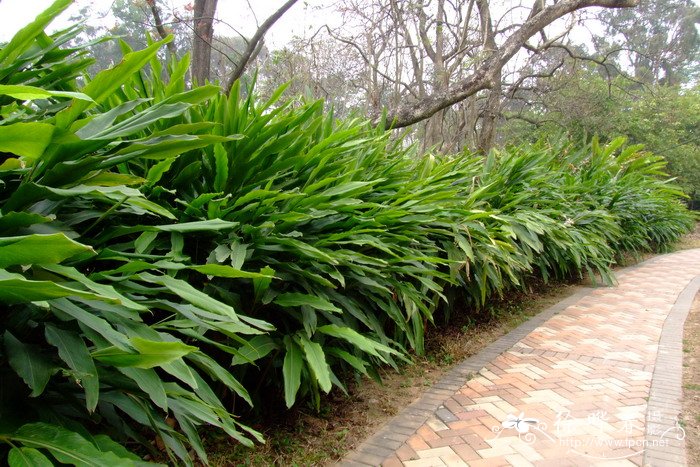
{"x":435,"y":126}
{"x":155,"y":11}
{"x":490,"y":116}
{"x":204,"y":11}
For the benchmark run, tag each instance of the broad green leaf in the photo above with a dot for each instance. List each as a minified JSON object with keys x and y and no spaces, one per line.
{"x":73,"y":351}
{"x":94,"y":125}
{"x":39,"y":248}
{"x":25,"y":139}
{"x":29,"y":363}
{"x":357,"y":363}
{"x":192,"y":295}
{"x":215,"y":370}
{"x":182,"y":371}
{"x":106,"y":444}
{"x":238,"y":254}
{"x":177,"y":75}
{"x":150,"y":383}
{"x":355,"y":338}
{"x":255,"y":349}
{"x":213,"y":225}
{"x":221,"y":177}
{"x":305,"y":250}
{"x":188,"y":427}
{"x":25,"y":37}
{"x":255,"y":196}
{"x":104,"y":290}
{"x":150,"y":353}
{"x":11,"y":221}
{"x":346,"y":188}
{"x":155,"y":173}
{"x":66,"y":446}
{"x":12,"y":163}
{"x":149,"y":206}
{"x":106,"y":82}
{"x":27,"y":457}
{"x":15,"y":288}
{"x":299,"y":299}
{"x":138,"y":122}
{"x":316,"y":359}
{"x":291,"y":371}
{"x":28,"y":193}
{"x":91,"y":321}
{"x":144,"y":240}
{"x":113,"y":179}
{"x":187,"y":129}
{"x":29,"y":93}
{"x":258,"y":323}
{"x":262,"y":285}
{"x":220,"y":270}
{"x":165,"y":147}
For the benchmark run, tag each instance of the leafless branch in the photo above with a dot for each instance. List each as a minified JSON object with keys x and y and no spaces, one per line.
{"x":155,"y":11}
{"x":369,"y":63}
{"x":255,"y":42}
{"x":483,"y":76}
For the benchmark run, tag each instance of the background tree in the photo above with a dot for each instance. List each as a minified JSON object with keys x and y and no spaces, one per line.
{"x":641,"y":83}
{"x":443,"y":66}
{"x":203,"y":41}
{"x":659,"y":40}
{"x":133,"y":19}
{"x":318,"y":68}
{"x":203,"y":35}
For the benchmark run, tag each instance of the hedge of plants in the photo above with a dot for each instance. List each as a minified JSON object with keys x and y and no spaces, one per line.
{"x":168,"y":255}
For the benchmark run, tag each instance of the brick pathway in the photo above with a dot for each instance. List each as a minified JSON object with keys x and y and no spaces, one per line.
{"x":595,"y":380}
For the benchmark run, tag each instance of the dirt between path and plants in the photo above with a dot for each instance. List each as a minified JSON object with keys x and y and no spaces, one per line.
{"x":690,"y":418}
{"x":691,"y":240}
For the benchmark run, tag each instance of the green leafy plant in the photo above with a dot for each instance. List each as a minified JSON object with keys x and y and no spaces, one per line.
{"x":93,"y":340}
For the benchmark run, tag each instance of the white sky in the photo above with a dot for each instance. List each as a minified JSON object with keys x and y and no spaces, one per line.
{"x":305,"y":16}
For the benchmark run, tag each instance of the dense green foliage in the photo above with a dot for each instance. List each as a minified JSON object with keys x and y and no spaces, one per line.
{"x":662,"y":118}
{"x":93,"y":324}
{"x":163,"y":249}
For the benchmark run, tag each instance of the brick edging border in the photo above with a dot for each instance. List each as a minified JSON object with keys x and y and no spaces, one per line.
{"x":665,"y":443}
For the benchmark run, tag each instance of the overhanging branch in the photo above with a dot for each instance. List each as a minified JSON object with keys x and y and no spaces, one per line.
{"x":484,"y":75}
{"x":255,"y":43}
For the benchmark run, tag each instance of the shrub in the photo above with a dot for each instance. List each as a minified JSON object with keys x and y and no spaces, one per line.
{"x":91,"y":340}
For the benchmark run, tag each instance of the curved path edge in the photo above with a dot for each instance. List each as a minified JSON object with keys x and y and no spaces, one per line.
{"x":664,"y":397}
{"x":666,"y":394}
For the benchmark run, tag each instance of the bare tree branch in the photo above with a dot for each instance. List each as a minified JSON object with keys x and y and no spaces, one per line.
{"x":483,"y":77}
{"x":159,"y":27}
{"x":369,"y":63}
{"x":255,"y":43}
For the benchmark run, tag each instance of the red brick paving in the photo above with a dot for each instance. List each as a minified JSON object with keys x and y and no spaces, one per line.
{"x":584,"y":375}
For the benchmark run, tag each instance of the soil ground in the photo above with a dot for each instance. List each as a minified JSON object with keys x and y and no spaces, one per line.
{"x":690,"y":420}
